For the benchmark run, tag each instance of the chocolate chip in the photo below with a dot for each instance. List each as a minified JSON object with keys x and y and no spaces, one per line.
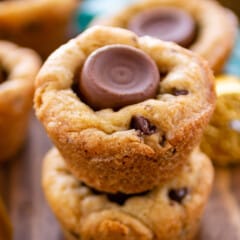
{"x":174,"y":150}
{"x":178,"y":92}
{"x":143,"y":125}
{"x":163,"y":141}
{"x":178,"y":195}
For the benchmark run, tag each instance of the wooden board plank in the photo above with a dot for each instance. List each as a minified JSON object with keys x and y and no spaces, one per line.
{"x":33,"y":220}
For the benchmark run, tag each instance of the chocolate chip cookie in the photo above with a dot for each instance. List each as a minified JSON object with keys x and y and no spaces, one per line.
{"x":143,"y":113}
{"x":169,"y":211}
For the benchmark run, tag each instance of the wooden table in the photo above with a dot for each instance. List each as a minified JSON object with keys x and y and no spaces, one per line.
{"x":33,"y":220}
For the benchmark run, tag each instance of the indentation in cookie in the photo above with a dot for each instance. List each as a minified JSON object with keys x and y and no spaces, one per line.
{"x":118,"y":75}
{"x":143,"y":125}
{"x":178,"y":195}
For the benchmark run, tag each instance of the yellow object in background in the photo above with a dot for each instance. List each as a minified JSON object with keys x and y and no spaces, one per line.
{"x":5,"y":225}
{"x":221,"y":139}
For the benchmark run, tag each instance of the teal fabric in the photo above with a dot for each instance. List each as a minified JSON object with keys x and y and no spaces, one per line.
{"x":91,"y":8}
{"x":233,"y":65}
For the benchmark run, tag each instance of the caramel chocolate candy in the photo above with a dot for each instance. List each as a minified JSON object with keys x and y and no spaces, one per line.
{"x":165,"y":23}
{"x":115,"y":76}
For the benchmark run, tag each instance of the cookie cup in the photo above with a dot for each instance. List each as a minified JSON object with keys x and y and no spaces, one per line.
{"x":103,"y":142}
{"x":85,"y":213}
{"x":20,"y":67}
{"x":221,"y":139}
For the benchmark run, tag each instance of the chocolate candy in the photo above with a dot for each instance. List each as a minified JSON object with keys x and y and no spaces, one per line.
{"x":143,"y":125}
{"x":165,"y":23}
{"x":179,"y":92}
{"x":178,"y":195}
{"x":118,"y":75}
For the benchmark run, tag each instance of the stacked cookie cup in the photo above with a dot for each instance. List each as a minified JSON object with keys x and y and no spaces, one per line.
{"x":119,"y":109}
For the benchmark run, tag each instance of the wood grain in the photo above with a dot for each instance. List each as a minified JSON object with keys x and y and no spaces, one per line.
{"x":33,"y":220}
{"x":5,"y":225}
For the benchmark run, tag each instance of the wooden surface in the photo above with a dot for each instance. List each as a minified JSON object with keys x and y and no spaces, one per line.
{"x":33,"y":220}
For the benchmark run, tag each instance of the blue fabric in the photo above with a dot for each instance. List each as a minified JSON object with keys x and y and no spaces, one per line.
{"x":91,"y":8}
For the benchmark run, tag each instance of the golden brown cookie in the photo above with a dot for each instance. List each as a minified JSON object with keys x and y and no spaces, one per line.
{"x":104,"y":148}
{"x":19,"y":67}
{"x":38,"y":24}
{"x":221,"y":140}
{"x":215,"y":31}
{"x":169,"y":211}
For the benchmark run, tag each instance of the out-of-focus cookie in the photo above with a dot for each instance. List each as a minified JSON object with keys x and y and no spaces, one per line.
{"x":221,"y":139}
{"x":169,"y":211}
{"x":143,"y":141}
{"x":201,"y":26}
{"x":18,"y":68}
{"x":38,"y":24}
